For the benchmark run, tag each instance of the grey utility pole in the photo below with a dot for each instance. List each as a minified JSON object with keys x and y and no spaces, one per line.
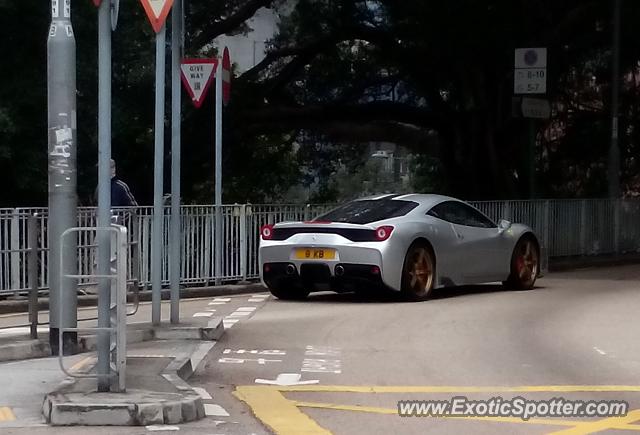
{"x":614,"y":149}
{"x":176,"y":57}
{"x":104,"y":191}
{"x":158,"y":172}
{"x":218,"y":176}
{"x":61,"y":80}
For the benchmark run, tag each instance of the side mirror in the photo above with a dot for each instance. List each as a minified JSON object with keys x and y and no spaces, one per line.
{"x":504,"y":225}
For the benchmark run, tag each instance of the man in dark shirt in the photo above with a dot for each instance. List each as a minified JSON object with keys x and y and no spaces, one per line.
{"x":121,"y":195}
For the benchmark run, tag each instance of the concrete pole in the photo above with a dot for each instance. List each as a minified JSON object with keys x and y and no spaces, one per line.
{"x":176,"y":57}
{"x":104,"y":192}
{"x":218,"y":175}
{"x":614,"y":149}
{"x":61,"y":80}
{"x":158,"y":172}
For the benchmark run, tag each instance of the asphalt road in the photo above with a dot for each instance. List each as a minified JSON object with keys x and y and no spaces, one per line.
{"x":574,"y":336}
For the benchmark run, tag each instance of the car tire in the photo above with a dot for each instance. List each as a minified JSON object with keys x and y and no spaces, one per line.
{"x":525,"y":265}
{"x":289,"y":293}
{"x":418,"y":272}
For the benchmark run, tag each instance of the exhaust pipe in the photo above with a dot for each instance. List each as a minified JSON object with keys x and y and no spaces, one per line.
{"x":339,"y":270}
{"x":291,"y":269}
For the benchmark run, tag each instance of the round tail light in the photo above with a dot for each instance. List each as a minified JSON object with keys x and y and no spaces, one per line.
{"x":383,"y":233}
{"x":266,"y":232}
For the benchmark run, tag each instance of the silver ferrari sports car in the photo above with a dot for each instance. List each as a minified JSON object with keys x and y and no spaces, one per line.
{"x":407,"y":243}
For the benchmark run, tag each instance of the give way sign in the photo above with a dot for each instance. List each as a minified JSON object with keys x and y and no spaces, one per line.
{"x":157,"y":11}
{"x":197,"y":75}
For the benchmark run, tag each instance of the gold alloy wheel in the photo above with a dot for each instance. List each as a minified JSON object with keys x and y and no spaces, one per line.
{"x":527,"y":262}
{"x":421,"y":270}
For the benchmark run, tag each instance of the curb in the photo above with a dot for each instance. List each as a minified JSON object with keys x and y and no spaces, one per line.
{"x":22,"y":306}
{"x":88,"y":343}
{"x":153,"y":409}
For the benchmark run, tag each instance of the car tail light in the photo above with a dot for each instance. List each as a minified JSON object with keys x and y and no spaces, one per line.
{"x":266,"y":232}
{"x":383,"y":233}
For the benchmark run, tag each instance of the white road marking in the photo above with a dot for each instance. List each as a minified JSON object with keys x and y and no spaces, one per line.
{"x":221,"y":299}
{"x":203,"y":314}
{"x":256,"y":300}
{"x":247,"y":309}
{"x":261,"y":295}
{"x":215,"y":410}
{"x":161,"y":427}
{"x":212,"y":310}
{"x":600,"y":351}
{"x":255,"y":352}
{"x":322,"y":366}
{"x":260,"y":361}
{"x":217,"y":303}
{"x":239,"y":314}
{"x":322,"y":351}
{"x":287,"y":379}
{"x":202,"y":393}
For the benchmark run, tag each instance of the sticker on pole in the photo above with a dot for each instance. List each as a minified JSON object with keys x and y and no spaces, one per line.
{"x":197,"y":75}
{"x":157,"y":11}
{"x":226,"y":77}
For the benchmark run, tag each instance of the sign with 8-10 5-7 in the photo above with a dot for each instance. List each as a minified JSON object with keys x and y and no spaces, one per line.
{"x":530,"y":72}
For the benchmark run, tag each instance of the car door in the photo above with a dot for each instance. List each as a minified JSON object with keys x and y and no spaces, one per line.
{"x":473,"y":243}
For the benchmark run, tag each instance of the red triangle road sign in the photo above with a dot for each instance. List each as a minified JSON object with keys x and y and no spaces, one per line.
{"x":226,"y":76}
{"x":197,"y":76}
{"x":157,"y":11}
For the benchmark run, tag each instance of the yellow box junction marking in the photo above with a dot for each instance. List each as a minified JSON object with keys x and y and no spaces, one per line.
{"x":284,"y":417}
{"x":6,"y":414}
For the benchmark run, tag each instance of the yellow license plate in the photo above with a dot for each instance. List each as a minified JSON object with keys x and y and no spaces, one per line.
{"x":315,"y":254}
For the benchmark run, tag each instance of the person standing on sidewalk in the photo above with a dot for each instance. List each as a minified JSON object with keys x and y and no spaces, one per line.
{"x":121,"y":195}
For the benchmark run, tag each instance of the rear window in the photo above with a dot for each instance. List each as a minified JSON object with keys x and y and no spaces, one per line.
{"x":367,"y":211}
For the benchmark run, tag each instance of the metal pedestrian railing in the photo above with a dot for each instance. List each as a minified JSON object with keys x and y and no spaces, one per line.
{"x":567,"y":228}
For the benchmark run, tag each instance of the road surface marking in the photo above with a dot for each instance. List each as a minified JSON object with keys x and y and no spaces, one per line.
{"x":211,"y":410}
{"x":225,"y":300}
{"x":260,"y":361}
{"x":239,"y":314}
{"x":255,"y":352}
{"x":161,"y":427}
{"x":460,"y":389}
{"x":284,"y":417}
{"x":204,"y":394}
{"x":600,"y":351}
{"x":278,"y":413}
{"x":217,"y":303}
{"x":6,"y":414}
{"x":256,"y":300}
{"x":247,"y":309}
{"x":587,"y":427}
{"x":207,"y":314}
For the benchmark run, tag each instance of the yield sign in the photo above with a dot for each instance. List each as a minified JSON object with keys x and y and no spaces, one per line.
{"x":197,"y":75}
{"x":226,"y":76}
{"x":157,"y":11}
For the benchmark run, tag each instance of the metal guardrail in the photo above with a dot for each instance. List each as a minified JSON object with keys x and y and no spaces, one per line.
{"x":566,"y":227}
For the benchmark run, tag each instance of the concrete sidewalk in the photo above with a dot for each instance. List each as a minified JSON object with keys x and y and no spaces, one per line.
{"x":159,"y":361}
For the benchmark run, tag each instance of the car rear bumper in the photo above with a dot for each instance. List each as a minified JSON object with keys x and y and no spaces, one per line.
{"x":317,"y":276}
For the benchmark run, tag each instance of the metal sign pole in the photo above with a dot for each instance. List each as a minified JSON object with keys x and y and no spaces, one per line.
{"x":61,"y":80}
{"x":176,"y":56}
{"x":104,"y":191}
{"x":218,"y":175}
{"x":158,"y":209}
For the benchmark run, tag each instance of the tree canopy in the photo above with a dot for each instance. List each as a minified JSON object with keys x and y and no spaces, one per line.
{"x":435,"y":77}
